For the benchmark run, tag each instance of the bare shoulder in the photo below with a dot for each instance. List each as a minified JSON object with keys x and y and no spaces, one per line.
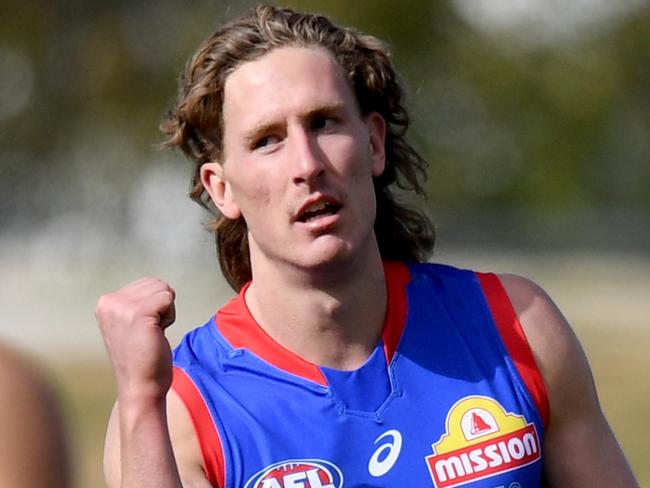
{"x":580,"y":447}
{"x":185,"y":442}
{"x":557,"y":351}
{"x":551,"y":338}
{"x":32,"y":445}
{"x":182,"y":434}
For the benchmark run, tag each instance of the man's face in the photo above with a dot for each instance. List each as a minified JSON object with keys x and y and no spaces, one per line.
{"x":298,"y":159}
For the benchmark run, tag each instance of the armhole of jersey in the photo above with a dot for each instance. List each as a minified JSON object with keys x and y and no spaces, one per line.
{"x":514,"y":339}
{"x":206,"y":431}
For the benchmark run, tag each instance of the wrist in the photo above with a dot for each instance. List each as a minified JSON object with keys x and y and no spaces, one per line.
{"x":143,"y":390}
{"x":139,"y":414}
{"x":141,"y":399}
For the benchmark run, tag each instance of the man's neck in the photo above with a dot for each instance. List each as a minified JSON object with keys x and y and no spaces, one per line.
{"x":334,"y":320}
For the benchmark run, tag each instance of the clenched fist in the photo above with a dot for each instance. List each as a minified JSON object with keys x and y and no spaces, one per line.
{"x":132,"y":320}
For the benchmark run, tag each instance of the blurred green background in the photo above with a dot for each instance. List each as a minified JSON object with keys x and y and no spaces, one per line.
{"x":533,"y":114}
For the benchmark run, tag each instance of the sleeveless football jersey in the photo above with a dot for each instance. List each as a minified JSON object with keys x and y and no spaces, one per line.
{"x":451,"y":395}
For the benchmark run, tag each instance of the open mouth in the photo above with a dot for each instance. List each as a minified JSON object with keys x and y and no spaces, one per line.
{"x":317,"y":210}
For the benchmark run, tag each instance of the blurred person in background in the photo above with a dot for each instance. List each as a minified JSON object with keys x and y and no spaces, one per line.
{"x":345,"y":359}
{"x":33,"y":451}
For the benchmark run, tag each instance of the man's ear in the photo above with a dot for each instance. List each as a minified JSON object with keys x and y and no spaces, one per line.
{"x":377,"y":132}
{"x":215,"y":183}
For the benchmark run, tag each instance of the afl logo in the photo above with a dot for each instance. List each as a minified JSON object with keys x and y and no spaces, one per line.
{"x":298,"y":473}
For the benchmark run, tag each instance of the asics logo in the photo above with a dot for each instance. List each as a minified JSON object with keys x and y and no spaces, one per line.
{"x":385,"y":456}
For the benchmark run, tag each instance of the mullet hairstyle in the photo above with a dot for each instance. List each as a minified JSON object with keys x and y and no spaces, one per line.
{"x":196,"y":124}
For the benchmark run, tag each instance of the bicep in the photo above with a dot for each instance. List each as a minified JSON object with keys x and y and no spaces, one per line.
{"x":183,"y":439}
{"x":580,"y":447}
{"x":185,"y":443}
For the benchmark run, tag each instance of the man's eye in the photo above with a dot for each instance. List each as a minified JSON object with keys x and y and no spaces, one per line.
{"x":265,"y":141}
{"x":321,"y":123}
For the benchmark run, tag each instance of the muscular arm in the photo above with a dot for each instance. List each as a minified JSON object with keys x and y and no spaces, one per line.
{"x":150,"y":440}
{"x":178,"y":432}
{"x":580,"y":447}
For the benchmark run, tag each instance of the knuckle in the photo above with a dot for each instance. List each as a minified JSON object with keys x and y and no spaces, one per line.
{"x":109,"y":307}
{"x":104,"y":303}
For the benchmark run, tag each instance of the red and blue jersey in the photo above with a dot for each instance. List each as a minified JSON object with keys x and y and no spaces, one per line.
{"x":451,"y":395}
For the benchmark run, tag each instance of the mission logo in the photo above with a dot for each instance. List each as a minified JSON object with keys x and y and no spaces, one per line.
{"x":482,"y":440}
{"x":298,"y":473}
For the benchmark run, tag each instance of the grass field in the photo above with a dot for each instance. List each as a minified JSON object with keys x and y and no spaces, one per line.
{"x":620,"y":363}
{"x":621,"y":367}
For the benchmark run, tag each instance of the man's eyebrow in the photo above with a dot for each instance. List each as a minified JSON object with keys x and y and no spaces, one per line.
{"x":328,"y":109}
{"x":261,"y":128}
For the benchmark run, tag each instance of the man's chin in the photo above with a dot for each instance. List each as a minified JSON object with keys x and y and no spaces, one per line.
{"x":332,"y":260}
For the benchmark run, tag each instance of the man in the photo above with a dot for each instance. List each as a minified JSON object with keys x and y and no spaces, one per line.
{"x":343,"y":361}
{"x":33,"y":447}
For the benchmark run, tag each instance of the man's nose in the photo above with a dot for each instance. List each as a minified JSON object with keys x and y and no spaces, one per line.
{"x":307,"y":157}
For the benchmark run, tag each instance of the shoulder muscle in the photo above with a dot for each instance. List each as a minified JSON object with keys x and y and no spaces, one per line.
{"x":580,"y":447}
